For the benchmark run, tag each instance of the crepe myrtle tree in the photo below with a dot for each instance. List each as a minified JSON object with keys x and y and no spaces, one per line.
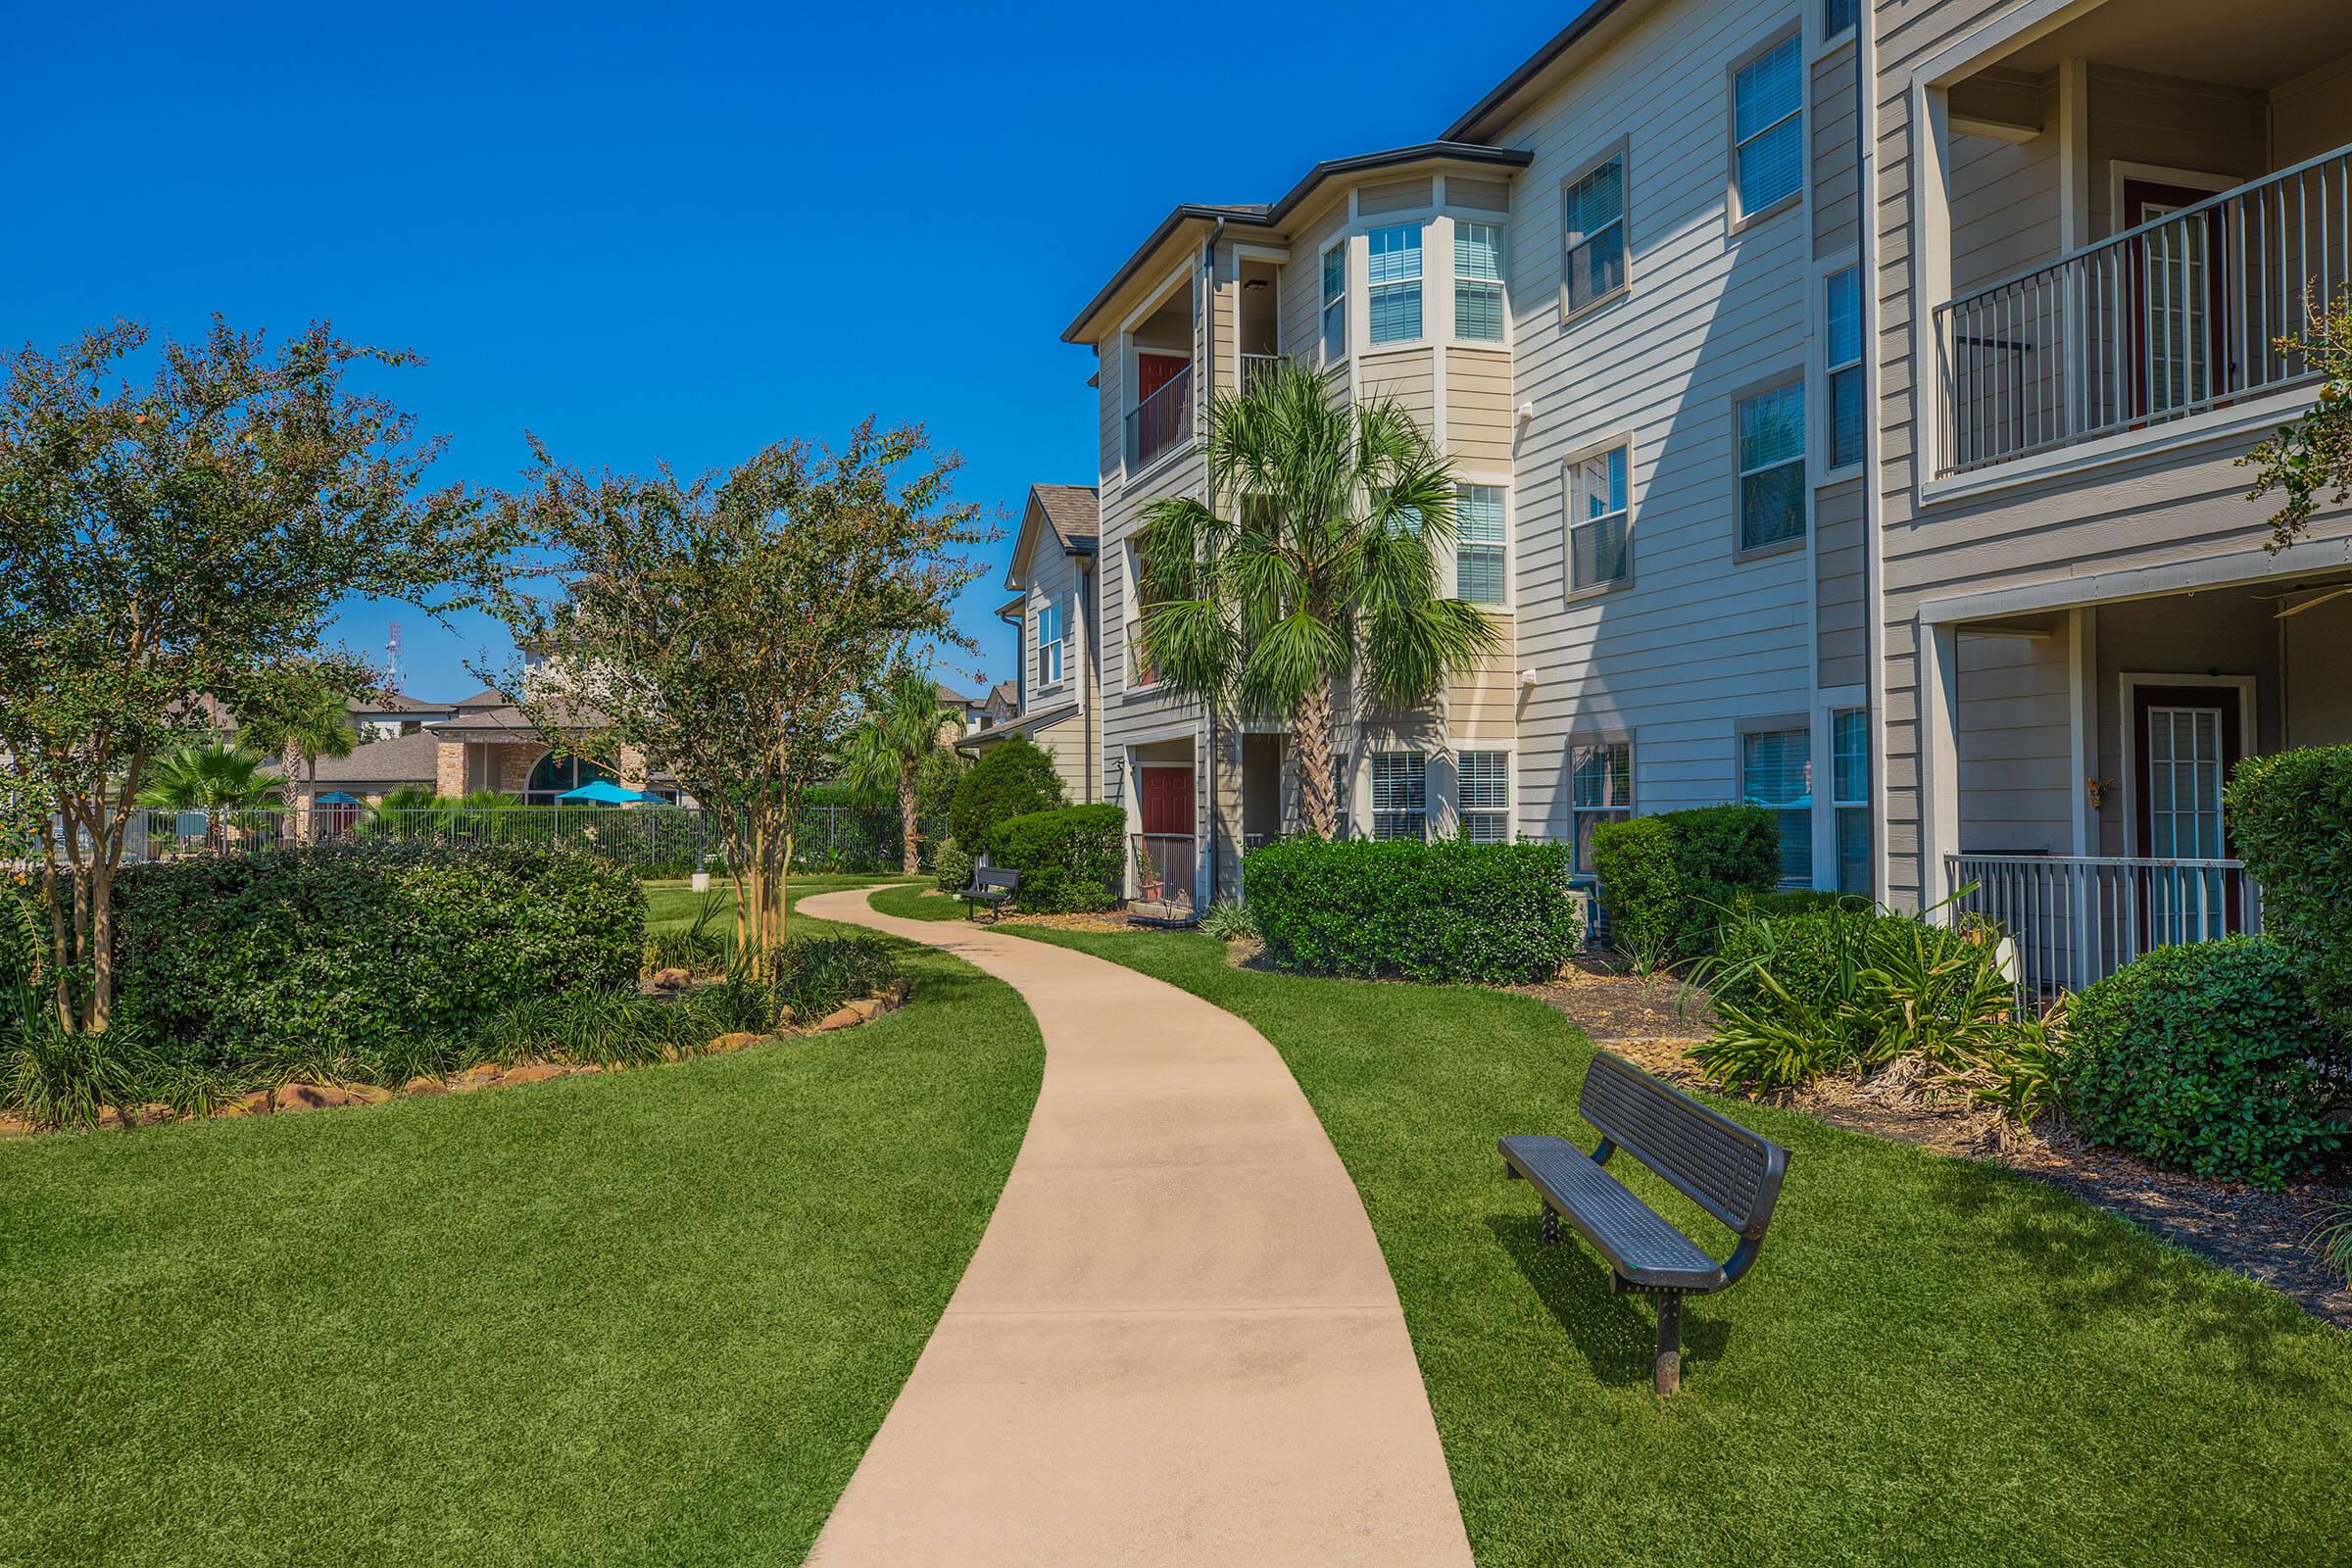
{"x":178,"y":523}
{"x":1317,"y":563}
{"x":731,"y":628}
{"x":2307,"y":461}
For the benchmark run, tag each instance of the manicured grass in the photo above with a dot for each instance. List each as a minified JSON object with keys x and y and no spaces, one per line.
{"x":1936,"y":1361}
{"x":648,"y":1317}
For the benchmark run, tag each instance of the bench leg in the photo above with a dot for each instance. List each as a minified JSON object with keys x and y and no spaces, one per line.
{"x":1667,"y":1374}
{"x":1552,"y":1226}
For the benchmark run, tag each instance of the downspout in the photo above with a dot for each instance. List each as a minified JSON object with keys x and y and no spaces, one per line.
{"x":1874,"y":599}
{"x":1209,"y":488}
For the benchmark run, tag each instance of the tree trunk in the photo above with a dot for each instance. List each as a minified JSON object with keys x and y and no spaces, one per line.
{"x":911,"y":855}
{"x":287,"y":770}
{"x":101,"y":1008}
{"x":60,"y":942}
{"x":1310,"y":740}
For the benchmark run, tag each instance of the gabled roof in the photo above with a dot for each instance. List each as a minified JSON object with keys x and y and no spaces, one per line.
{"x":952,"y":697}
{"x":402,"y":760}
{"x":1067,"y":511}
{"x":1510,"y":93}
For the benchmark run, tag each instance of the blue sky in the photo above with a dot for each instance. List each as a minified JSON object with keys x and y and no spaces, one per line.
{"x":646,"y":237}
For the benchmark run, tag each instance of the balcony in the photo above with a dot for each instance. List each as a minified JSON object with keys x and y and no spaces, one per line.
{"x":2171,"y":319}
{"x":1160,"y":422}
{"x":2076,"y":920}
{"x":1256,"y":366}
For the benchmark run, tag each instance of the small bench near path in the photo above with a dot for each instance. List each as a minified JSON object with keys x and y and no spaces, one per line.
{"x":1178,"y":1343}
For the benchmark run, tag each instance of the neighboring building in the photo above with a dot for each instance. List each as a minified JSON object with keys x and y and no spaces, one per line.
{"x":967,"y":710}
{"x":1004,"y":703}
{"x":1057,"y":694}
{"x":2093,"y":221}
{"x":1595,"y":291}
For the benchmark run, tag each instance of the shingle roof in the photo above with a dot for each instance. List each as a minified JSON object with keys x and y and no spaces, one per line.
{"x":402,"y":760}
{"x":396,"y":702}
{"x":1070,"y":509}
{"x":952,"y":697}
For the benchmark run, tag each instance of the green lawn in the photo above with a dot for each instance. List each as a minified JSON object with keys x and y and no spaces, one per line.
{"x":1936,"y":1361}
{"x":652,"y":1317}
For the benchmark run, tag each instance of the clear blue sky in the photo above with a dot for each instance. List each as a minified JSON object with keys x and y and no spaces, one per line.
{"x":647,"y":237}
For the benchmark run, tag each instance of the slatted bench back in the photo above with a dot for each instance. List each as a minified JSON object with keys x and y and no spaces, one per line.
{"x":1711,"y":1159}
{"x":988,"y":876}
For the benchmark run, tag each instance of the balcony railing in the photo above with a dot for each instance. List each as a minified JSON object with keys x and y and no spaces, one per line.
{"x":2079,"y":918}
{"x":1163,"y":867}
{"x":1162,"y":421}
{"x":2174,"y":317}
{"x":1254,"y":366}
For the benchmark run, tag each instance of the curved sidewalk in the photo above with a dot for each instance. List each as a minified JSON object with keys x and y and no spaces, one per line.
{"x":1177,"y":1343}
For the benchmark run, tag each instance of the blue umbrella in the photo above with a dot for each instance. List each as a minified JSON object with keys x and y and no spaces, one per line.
{"x":604,"y":793}
{"x":338,"y":798}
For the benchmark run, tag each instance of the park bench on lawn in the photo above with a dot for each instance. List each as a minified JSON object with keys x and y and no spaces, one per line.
{"x":990,"y":887}
{"x":1732,"y":1173}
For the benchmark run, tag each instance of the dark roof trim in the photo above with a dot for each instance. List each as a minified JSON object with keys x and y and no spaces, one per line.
{"x":1267,"y":217}
{"x":1473,"y":124}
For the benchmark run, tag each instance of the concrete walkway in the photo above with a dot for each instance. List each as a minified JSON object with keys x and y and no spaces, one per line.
{"x":1177,"y":1343}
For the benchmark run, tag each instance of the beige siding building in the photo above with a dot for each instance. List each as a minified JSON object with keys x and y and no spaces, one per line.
{"x":1056,"y":695}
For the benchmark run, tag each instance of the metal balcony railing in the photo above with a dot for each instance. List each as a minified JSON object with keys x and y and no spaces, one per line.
{"x":1162,"y":421}
{"x":1254,"y":366}
{"x":2079,"y":918}
{"x":2171,"y":319}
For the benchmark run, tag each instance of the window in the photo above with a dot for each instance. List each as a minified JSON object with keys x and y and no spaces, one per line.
{"x":1394,"y":306}
{"x":1837,"y":16}
{"x":1776,"y":772}
{"x":1772,"y":466}
{"x":1335,"y":303}
{"x":1842,"y":322}
{"x":1400,"y":795}
{"x":1599,"y":550}
{"x":1049,"y":643}
{"x":1478,"y":282}
{"x":1768,"y":131}
{"x":1600,"y":789}
{"x":1850,"y":798}
{"x":1485,"y":779}
{"x":1593,"y":215}
{"x":1478,"y":549}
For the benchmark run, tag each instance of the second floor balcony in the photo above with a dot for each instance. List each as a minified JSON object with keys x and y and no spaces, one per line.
{"x":1162,"y":421}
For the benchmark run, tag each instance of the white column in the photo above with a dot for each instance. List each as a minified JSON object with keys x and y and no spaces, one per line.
{"x":1938,"y":755}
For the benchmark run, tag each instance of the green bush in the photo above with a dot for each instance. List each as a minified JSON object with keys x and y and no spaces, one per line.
{"x":1667,"y":880}
{"x":1229,"y":921}
{"x":2290,"y":817}
{"x":1069,"y":857}
{"x":2200,"y":1057}
{"x":1013,"y":778}
{"x":820,"y":973}
{"x":1492,"y":913}
{"x":952,"y":866}
{"x":23,"y":936}
{"x":338,"y":952}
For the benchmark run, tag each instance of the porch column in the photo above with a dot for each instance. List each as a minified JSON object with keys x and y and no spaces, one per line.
{"x":449,"y":767}
{"x":1938,"y":757}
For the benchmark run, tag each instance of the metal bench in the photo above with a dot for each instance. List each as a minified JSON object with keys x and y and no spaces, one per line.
{"x":990,"y":887}
{"x":1732,"y":1173}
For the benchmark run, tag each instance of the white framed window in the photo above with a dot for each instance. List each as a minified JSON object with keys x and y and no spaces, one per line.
{"x":1478,"y":316}
{"x":1600,"y":552}
{"x":1771,"y":434}
{"x":1768,"y":130}
{"x":1776,"y":772}
{"x":1600,"y":789}
{"x":1400,"y":795}
{"x":1850,"y":798}
{"x":1593,"y":234}
{"x":1049,"y":643}
{"x":1483,"y":781}
{"x":1335,"y":303}
{"x":1842,"y":351}
{"x":1838,"y":16}
{"x":1481,"y":548}
{"x":1393,"y":304}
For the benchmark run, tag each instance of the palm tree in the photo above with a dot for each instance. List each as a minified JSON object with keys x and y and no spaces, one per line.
{"x":212,"y":777}
{"x":1322,"y":567}
{"x":884,"y":753}
{"x":316,"y":724}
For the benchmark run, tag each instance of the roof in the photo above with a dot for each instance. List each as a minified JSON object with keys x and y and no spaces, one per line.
{"x":396,"y":703}
{"x":1478,"y":121}
{"x":1008,"y":692}
{"x":402,"y":760}
{"x":1070,"y":509}
{"x":1271,"y":215}
{"x":1042,"y":718}
{"x":487,"y":697}
{"x":952,"y":697}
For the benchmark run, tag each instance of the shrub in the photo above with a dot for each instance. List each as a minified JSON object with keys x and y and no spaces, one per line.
{"x":2201,"y":1058}
{"x":1068,"y":858}
{"x":323,"y":954}
{"x":23,"y":936}
{"x":1013,"y":778}
{"x":1229,"y":921}
{"x":701,"y":947}
{"x":1493,"y":914}
{"x":604,"y":1028}
{"x":1667,"y":880}
{"x":2291,"y":817}
{"x":55,"y":1079}
{"x":952,"y":866}
{"x":820,"y":973}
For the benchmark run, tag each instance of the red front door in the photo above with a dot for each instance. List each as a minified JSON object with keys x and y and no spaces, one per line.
{"x":1167,"y":801}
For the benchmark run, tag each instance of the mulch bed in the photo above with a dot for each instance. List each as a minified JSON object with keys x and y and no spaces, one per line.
{"x":1653,"y":1020}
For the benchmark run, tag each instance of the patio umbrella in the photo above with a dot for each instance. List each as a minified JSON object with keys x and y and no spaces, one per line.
{"x":338,"y":798}
{"x":602,"y":793}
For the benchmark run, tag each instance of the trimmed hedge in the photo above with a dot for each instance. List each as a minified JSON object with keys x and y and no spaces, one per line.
{"x":1013,"y":778}
{"x":1489,"y":914}
{"x":2198,"y":1058}
{"x":2290,"y":817}
{"x":1068,"y":858}
{"x":349,"y":948}
{"x":1667,"y":880}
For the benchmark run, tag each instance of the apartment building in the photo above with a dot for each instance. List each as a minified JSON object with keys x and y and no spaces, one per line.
{"x":1603,"y":291}
{"x":1056,"y":695}
{"x":2093,"y":219}
{"x":1846,"y":400}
